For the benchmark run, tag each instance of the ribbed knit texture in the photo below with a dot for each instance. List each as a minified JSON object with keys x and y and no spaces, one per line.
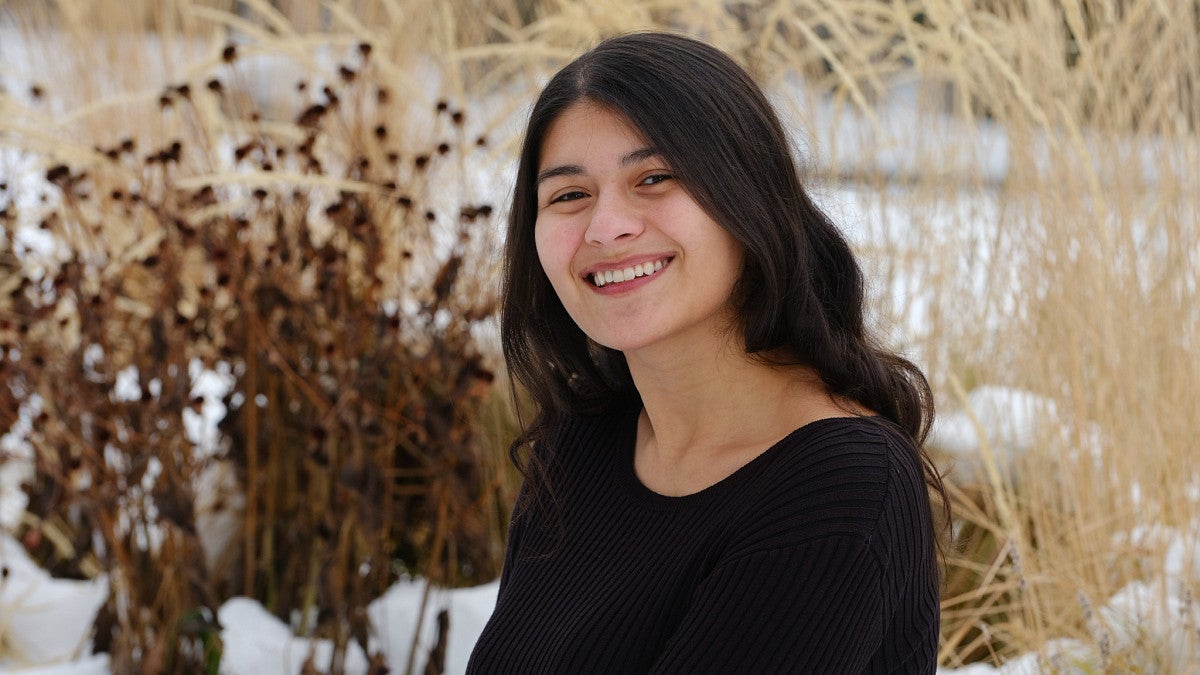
{"x":816,"y":557}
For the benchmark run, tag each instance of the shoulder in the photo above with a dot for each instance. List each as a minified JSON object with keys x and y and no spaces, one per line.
{"x":840,"y":477}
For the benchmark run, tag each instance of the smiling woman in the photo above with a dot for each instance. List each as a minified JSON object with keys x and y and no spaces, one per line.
{"x":608,"y":209}
{"x":724,"y":473}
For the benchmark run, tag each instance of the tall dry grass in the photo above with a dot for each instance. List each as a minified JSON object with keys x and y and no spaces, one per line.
{"x":1029,"y":212}
{"x":1025,"y":186}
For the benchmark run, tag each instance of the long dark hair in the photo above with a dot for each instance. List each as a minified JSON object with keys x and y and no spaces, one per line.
{"x":800,"y":297}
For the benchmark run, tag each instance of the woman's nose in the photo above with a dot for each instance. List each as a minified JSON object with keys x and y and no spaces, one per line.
{"x":614,"y":219}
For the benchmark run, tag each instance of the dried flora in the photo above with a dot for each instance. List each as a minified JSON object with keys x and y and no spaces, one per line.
{"x":338,"y":309}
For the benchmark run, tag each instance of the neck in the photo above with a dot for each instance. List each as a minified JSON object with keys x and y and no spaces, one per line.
{"x":698,"y":402}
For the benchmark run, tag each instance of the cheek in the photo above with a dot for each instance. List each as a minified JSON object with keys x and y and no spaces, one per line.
{"x":554,"y":265}
{"x":554,"y":252}
{"x":544,"y":253}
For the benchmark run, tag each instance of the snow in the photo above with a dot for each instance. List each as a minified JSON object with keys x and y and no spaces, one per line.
{"x":96,"y":664}
{"x":255,"y":641}
{"x":16,"y":466}
{"x":395,"y":617}
{"x":45,"y":626}
{"x":44,"y":620}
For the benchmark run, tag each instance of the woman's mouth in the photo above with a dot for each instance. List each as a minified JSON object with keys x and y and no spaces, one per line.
{"x":604,"y":278}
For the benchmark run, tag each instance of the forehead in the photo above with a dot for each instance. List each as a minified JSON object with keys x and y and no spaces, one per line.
{"x":586,"y":132}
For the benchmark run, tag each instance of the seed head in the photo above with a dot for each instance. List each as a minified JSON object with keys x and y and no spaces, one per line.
{"x":58,"y":175}
{"x":312,"y":116}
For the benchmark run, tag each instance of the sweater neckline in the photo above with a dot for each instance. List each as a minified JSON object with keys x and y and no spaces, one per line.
{"x":638,"y":490}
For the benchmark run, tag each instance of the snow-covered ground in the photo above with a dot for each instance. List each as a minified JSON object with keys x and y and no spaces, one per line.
{"x":45,"y":626}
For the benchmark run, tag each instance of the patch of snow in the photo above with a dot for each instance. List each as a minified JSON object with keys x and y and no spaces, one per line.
{"x":1058,"y":657}
{"x":16,"y":464}
{"x":1006,"y":420}
{"x":43,"y":620}
{"x":1150,"y":614}
{"x":257,"y":642}
{"x":219,"y":504}
{"x":394,"y":617}
{"x":96,"y":664}
{"x":126,"y":387}
{"x":1009,"y":418}
{"x":1181,"y":565}
{"x":211,"y":385}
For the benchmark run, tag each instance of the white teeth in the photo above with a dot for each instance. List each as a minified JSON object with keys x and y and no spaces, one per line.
{"x":606,"y":277}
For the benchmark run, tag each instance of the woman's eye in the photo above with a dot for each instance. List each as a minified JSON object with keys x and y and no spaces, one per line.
{"x":656,"y":178}
{"x":568,"y":196}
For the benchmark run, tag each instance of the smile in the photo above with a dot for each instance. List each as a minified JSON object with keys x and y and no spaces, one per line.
{"x":606,"y":277}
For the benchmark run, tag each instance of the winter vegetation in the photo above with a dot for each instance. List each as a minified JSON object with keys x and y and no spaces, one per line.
{"x":251,"y":413}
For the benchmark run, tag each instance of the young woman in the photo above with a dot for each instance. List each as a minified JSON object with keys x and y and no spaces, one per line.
{"x":724,"y":475}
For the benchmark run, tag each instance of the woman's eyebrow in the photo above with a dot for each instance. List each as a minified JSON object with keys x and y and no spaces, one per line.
{"x":575,"y":169}
{"x":639,"y":155}
{"x":560,"y":170}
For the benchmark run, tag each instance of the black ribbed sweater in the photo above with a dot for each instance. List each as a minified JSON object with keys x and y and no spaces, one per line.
{"x":816,"y":557}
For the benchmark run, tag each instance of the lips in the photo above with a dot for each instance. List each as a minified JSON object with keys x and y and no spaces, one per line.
{"x":616,"y":275}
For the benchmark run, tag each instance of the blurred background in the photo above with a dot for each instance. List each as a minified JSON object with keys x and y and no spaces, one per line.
{"x":252,"y":413}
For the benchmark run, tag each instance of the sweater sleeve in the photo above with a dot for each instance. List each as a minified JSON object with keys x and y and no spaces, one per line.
{"x":815,"y":607}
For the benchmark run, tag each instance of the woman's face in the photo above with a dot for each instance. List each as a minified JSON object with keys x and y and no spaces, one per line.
{"x":633,"y":258}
